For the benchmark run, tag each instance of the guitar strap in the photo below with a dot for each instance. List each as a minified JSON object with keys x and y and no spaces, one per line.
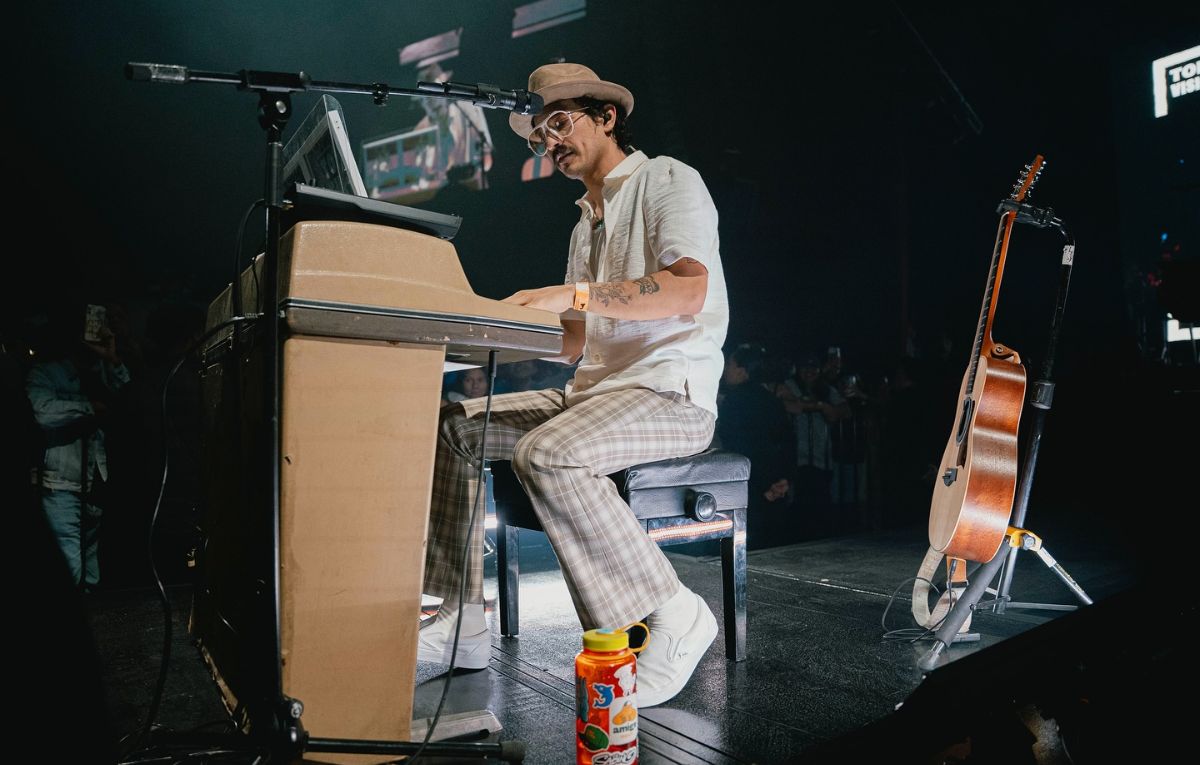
{"x":922,"y":585}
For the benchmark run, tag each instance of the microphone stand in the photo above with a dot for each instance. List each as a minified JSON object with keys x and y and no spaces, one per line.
{"x":278,"y":714}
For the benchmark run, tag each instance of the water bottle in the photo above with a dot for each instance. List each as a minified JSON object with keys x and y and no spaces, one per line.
{"x":606,"y":727}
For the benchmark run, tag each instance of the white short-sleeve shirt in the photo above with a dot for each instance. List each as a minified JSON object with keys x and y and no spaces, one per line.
{"x":656,"y":211}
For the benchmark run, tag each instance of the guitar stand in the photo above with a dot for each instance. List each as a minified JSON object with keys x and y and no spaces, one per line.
{"x":1023,"y":539}
{"x":1018,"y":538}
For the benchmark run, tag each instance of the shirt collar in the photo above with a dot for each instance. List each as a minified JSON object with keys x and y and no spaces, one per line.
{"x":615,"y":178}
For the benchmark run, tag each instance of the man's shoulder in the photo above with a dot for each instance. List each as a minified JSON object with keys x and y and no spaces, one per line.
{"x":663,"y":164}
{"x":668,"y":175}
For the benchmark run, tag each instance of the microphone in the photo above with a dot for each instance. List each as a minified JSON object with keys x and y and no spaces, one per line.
{"x":170,"y":73}
{"x":489,"y":96}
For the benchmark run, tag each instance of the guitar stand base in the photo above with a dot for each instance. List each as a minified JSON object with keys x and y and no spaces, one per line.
{"x":999,"y":605}
{"x":1024,"y":539}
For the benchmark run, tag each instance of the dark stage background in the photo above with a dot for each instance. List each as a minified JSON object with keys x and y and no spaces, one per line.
{"x":837,"y":149}
{"x":856,"y":152}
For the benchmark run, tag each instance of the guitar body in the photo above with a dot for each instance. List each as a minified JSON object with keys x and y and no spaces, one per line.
{"x":973,"y":492}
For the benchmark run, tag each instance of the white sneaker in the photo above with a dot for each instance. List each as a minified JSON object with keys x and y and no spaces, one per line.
{"x":680,"y":632}
{"x":436,"y":638}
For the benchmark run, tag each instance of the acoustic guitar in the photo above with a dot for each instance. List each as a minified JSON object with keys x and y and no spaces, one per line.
{"x":974,"y":489}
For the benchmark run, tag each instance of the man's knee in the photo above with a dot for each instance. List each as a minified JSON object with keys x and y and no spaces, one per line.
{"x":455,"y":430}
{"x":537,"y":452}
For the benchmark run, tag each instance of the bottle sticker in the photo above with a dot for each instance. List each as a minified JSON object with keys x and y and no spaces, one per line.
{"x":623,"y":726}
{"x":581,"y":698}
{"x":604,"y":695}
{"x":627,"y":678}
{"x":616,"y":758}
{"x":594,"y":739}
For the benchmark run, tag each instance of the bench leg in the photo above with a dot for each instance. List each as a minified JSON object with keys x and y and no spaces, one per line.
{"x":508,"y":570}
{"x":733,"y":580}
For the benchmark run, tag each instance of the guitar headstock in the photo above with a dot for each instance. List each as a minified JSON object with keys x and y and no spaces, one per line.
{"x":1029,"y":176}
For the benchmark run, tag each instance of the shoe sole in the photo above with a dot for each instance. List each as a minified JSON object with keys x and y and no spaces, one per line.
{"x":694,"y":658}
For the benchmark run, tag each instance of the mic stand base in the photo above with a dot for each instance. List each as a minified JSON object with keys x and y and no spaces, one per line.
{"x":505,"y":751}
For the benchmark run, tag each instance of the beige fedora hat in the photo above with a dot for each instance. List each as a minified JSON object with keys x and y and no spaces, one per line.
{"x":554,"y":82}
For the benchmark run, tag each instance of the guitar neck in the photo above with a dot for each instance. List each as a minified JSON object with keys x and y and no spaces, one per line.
{"x":983,"y":330}
{"x":991,"y":292}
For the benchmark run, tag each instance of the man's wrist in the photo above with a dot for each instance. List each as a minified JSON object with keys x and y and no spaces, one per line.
{"x":582,"y":296}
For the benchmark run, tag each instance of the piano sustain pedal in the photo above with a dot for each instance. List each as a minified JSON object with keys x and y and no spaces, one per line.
{"x":459,"y":724}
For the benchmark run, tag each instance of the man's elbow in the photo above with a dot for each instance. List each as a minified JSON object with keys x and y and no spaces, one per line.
{"x":694,"y":294}
{"x":695,"y":302}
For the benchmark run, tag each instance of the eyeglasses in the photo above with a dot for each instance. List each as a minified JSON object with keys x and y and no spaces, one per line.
{"x":559,"y":124}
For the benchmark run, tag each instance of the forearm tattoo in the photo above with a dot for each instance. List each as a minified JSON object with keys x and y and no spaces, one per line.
{"x":608,"y":292}
{"x":646,"y":285}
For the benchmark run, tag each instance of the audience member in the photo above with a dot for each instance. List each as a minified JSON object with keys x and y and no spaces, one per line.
{"x":753,"y":422}
{"x":72,"y":397}
{"x":814,"y":406}
{"x":471,"y":383}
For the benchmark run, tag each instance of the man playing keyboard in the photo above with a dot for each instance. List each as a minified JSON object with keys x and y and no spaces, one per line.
{"x":644,"y":312}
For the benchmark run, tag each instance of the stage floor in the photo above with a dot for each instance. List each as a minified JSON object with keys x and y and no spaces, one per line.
{"x":818,"y":668}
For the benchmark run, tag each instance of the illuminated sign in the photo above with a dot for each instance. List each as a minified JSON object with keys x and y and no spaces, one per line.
{"x":1175,"y":76}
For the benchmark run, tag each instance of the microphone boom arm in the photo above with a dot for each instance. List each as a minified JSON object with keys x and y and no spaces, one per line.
{"x":490,"y":96}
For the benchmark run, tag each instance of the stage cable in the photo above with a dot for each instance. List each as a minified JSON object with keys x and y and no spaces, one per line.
{"x":236,"y":281}
{"x":910,"y":634}
{"x":156,"y":702}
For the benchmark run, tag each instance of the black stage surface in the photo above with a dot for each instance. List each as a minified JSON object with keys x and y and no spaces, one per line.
{"x":820,"y":682}
{"x":1114,"y":500}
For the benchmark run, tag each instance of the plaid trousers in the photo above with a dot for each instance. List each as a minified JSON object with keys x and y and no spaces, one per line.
{"x":562,"y":455}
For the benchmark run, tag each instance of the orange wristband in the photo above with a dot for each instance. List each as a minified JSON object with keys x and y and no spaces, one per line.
{"x":582,"y":295}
